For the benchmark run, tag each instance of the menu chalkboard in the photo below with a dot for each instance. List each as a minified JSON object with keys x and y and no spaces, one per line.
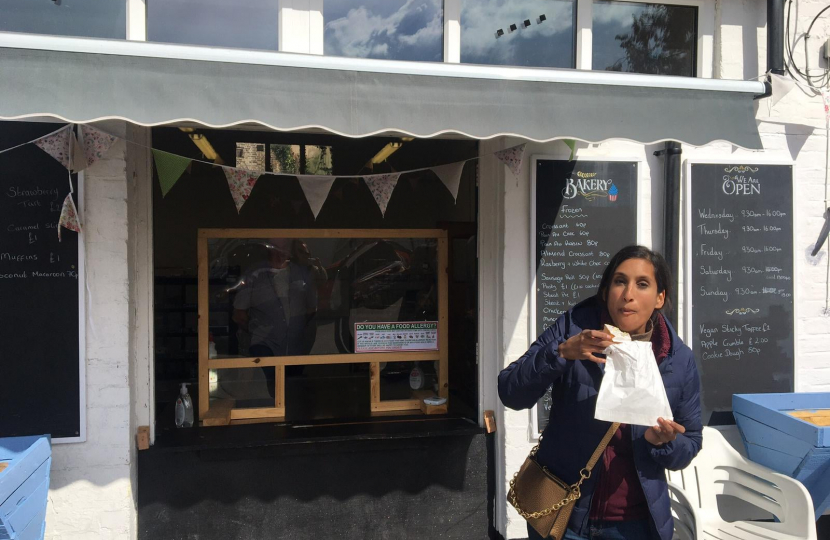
{"x":39,"y":349}
{"x":741,"y":280}
{"x":583,"y":213}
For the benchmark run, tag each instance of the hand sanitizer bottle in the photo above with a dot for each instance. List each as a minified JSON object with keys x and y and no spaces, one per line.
{"x":184,"y":408}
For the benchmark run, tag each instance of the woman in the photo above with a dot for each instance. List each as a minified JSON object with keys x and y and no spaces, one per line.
{"x":627,"y":496}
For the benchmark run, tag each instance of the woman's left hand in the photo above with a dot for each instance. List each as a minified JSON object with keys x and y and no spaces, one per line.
{"x":665,"y":431}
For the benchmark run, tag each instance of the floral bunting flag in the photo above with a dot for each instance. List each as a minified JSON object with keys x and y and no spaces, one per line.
{"x":382,"y":186}
{"x":170,"y":168}
{"x":316,"y":189}
{"x":95,"y":143}
{"x":825,"y":95}
{"x":69,"y":216}
{"x":450,"y":175}
{"x":240,"y":182}
{"x":512,"y":157}
{"x":57,"y":145}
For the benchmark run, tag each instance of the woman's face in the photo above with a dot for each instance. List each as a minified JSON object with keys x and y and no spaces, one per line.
{"x":632,"y":295}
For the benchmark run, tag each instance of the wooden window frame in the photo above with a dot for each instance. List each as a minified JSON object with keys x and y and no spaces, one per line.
{"x":224,"y":412}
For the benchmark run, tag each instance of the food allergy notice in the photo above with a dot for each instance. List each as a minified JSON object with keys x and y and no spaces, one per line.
{"x":741,"y":286}
{"x":396,"y":336}
{"x":585,"y":211}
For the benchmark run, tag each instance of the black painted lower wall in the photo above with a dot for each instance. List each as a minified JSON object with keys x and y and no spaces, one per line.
{"x":418,"y":487}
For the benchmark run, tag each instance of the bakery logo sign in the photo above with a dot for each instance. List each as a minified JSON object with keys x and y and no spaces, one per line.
{"x":590,"y":187}
{"x":739,"y":181}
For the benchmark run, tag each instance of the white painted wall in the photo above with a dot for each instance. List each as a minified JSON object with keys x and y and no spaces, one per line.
{"x":91,"y":494}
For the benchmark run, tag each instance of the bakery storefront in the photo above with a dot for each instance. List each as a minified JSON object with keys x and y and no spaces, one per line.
{"x":312,"y":256}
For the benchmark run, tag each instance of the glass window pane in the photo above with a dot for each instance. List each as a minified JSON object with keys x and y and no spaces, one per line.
{"x":388,"y":29}
{"x":318,"y":159}
{"x":538,"y":33}
{"x":85,"y":18}
{"x":285,"y":158}
{"x":247,"y":387}
{"x":247,"y":24}
{"x":300,"y":296}
{"x":250,"y":156}
{"x":644,"y":38}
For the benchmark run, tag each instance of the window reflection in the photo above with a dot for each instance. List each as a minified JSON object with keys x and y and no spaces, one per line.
{"x":644,"y":38}
{"x":248,"y":24}
{"x":84,"y":18}
{"x":387,"y":29}
{"x":300,"y":296}
{"x":538,"y":33}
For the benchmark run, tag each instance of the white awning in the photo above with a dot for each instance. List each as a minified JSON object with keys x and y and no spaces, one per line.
{"x":85,"y":80}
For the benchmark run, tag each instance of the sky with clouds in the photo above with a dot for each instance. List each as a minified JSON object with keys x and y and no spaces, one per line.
{"x":388,"y":29}
{"x":548,"y":44}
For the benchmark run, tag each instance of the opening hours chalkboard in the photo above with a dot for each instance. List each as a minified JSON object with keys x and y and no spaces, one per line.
{"x":40,"y":375}
{"x":583,"y":212}
{"x":740,"y":263}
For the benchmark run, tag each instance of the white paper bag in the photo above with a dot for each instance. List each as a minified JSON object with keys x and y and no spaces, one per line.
{"x":632,"y":390}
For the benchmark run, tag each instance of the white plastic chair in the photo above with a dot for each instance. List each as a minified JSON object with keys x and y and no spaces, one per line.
{"x":720,"y":470}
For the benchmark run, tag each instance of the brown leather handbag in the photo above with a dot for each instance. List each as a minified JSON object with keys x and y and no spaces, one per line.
{"x":535,"y":487}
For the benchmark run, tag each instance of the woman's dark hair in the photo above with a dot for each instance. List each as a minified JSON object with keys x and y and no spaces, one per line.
{"x":661,"y":271}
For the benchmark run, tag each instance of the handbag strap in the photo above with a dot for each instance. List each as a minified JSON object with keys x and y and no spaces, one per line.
{"x":602,"y":445}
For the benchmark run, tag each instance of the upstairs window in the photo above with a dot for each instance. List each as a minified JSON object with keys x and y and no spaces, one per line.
{"x":80,"y":18}
{"x":388,"y":29}
{"x":535,"y":33}
{"x":657,"y":39}
{"x":247,"y":24}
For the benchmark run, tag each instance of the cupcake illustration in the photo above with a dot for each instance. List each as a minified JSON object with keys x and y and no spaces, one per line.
{"x":612,"y":193}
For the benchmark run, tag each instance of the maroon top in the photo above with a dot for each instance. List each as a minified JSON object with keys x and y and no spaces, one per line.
{"x":619,"y":495}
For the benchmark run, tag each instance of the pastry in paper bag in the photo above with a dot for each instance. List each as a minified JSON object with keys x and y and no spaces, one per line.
{"x":632,"y":390}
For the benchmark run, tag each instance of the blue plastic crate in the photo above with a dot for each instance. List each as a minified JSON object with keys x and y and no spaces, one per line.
{"x":787,"y":444}
{"x":24,"y":487}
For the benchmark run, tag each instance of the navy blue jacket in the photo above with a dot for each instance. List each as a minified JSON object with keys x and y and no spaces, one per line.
{"x":572,"y":434}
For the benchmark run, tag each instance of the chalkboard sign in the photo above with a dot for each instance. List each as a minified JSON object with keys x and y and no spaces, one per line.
{"x":40,"y":338}
{"x":583,"y":212}
{"x":740,"y":238}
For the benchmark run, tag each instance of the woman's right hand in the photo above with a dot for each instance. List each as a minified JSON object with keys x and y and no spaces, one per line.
{"x":584,"y":345}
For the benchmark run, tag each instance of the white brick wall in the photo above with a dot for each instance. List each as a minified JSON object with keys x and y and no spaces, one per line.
{"x":90,"y":494}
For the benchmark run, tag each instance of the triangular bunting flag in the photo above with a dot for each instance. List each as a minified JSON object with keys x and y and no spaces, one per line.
{"x":450,"y":175}
{"x":512,"y":157}
{"x":69,"y":217}
{"x":78,"y":158}
{"x":240,"y":182}
{"x":316,"y":189}
{"x":382,"y":186}
{"x":570,"y":143}
{"x":57,"y":145}
{"x":95,"y":143}
{"x":170,"y":168}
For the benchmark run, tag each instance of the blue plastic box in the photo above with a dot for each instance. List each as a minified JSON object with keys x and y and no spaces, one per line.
{"x":24,"y":486}
{"x":787,"y":444}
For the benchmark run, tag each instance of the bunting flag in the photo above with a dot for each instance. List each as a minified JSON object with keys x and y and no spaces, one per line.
{"x":512,"y":157}
{"x":825,"y":96}
{"x":240,"y":182}
{"x":316,"y":189}
{"x":450,"y":175}
{"x":382,"y":186}
{"x":570,"y":143}
{"x":95,"y":143}
{"x":57,"y":145}
{"x":69,"y":217}
{"x":170,"y":168}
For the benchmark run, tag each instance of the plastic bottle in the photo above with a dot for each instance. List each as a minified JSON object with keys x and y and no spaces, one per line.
{"x":184,"y":408}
